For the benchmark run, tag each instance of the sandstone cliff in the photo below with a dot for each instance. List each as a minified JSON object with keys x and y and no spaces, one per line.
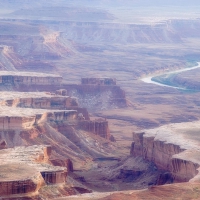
{"x":98,"y":97}
{"x":98,"y":81}
{"x":93,"y":94}
{"x":27,"y":78}
{"x":98,"y":127}
{"x":174,"y":148}
{"x":42,"y":100}
{"x":24,"y":170}
{"x":21,"y":118}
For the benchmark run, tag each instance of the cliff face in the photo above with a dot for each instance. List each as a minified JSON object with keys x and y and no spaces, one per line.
{"x":93,"y":94}
{"x":25,"y":170}
{"x":98,"y":127}
{"x":171,"y":148}
{"x":22,"y":120}
{"x":49,"y":118}
{"x":98,"y":97}
{"x":42,"y":100}
{"x":26,"y":78}
{"x":98,"y":81}
{"x":23,"y":123}
{"x":154,"y":150}
{"x":21,"y":186}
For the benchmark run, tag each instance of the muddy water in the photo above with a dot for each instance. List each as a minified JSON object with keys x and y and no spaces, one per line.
{"x":149,"y":79}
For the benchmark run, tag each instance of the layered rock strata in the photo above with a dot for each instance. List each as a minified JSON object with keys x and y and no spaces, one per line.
{"x":42,"y":100}
{"x":98,"y":97}
{"x":24,"y":170}
{"x":39,"y":103}
{"x":98,"y":127}
{"x":93,"y":93}
{"x":28,"y":78}
{"x":174,"y":148}
{"x":98,"y":81}
{"x":21,"y":118}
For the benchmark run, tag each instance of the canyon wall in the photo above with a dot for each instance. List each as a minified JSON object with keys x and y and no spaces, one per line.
{"x":9,"y":188}
{"x":26,"y":169}
{"x":169,"y":151}
{"x":48,"y":101}
{"x":56,"y":116}
{"x":21,"y":122}
{"x":98,"y":81}
{"x":96,"y":97}
{"x":52,"y":102}
{"x":93,"y":93}
{"x":97,"y":127}
{"x":54,"y":177}
{"x":27,"y":78}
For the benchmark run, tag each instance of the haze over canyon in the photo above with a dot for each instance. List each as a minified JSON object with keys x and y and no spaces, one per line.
{"x":99,"y":99}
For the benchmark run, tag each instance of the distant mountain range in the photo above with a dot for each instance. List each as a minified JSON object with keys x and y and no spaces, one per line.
{"x":94,"y":3}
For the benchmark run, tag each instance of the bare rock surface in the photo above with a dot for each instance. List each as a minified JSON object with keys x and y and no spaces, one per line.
{"x":25,"y":170}
{"x":26,"y":112}
{"x":173,"y":147}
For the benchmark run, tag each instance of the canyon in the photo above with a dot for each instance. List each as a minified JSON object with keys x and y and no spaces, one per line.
{"x":173,"y":147}
{"x":76,"y":119}
{"x":46,"y":135}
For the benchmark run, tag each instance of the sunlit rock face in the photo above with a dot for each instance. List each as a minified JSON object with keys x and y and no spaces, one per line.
{"x":173,"y":147}
{"x":98,"y":94}
{"x":26,"y":78}
{"x":26,"y":169}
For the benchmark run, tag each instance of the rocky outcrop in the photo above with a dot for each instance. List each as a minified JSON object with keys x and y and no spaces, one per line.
{"x":25,"y":170}
{"x":98,"y":127}
{"x":42,"y":100}
{"x":171,"y":148}
{"x":98,"y":97}
{"x":151,"y":149}
{"x":20,"y":186}
{"x":52,"y":102}
{"x":3,"y":144}
{"x":93,"y":93}
{"x":27,"y":78}
{"x":63,"y":163}
{"x":54,"y":177}
{"x":22,"y":120}
{"x":165,"y":178}
{"x":98,"y":81}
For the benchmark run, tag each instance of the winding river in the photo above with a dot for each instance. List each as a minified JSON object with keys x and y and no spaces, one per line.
{"x":149,"y":79}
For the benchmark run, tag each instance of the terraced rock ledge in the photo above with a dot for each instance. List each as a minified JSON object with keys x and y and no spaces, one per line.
{"x":174,"y":147}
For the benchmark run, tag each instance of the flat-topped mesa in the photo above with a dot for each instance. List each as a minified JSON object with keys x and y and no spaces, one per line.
{"x":22,"y":118}
{"x":174,"y":148}
{"x":28,"y":78}
{"x":93,"y":94}
{"x":42,"y":100}
{"x":45,"y":102}
{"x":98,"y":94}
{"x":24,"y":170}
{"x":56,"y":102}
{"x":98,"y":81}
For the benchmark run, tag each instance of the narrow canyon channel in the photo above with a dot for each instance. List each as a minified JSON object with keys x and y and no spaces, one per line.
{"x":150,"y":78}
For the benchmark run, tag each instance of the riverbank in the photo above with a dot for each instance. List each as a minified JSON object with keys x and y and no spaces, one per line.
{"x":166,"y":79}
